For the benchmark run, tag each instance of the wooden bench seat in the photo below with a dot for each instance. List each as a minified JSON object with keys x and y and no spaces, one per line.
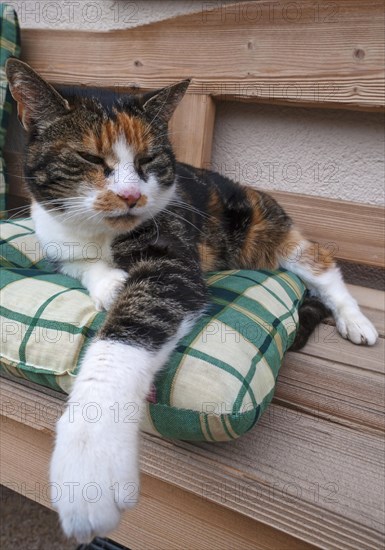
{"x":311,"y":473}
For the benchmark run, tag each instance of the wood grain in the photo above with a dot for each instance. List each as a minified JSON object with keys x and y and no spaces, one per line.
{"x":300,"y":474}
{"x":332,"y":473}
{"x":334,"y":380}
{"x":350,"y":231}
{"x":167,"y":517}
{"x":192,"y":129}
{"x":312,"y":54}
{"x":332,"y":391}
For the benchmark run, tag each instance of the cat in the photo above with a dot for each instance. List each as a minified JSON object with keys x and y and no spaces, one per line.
{"x":109,"y":176}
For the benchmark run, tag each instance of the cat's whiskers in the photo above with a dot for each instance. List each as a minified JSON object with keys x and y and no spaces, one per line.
{"x":190,"y":208}
{"x":171,"y":212}
{"x":157,"y":228}
{"x":95,"y":215}
{"x":169,"y":134}
{"x":75,"y":206}
{"x":18,"y":215}
{"x":27,"y":207}
{"x":75,"y":213}
{"x":21,"y":177}
{"x":24,"y":209}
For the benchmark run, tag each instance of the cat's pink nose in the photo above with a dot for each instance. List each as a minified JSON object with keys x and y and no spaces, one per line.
{"x":130,"y":197}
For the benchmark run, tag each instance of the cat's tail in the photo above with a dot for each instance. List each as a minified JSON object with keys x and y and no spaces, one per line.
{"x":311,"y":313}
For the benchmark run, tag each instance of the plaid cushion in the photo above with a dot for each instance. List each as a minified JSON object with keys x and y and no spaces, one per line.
{"x":9,"y":46}
{"x":218,"y":381}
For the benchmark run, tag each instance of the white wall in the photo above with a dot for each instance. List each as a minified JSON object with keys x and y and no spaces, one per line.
{"x":329,"y":153}
{"x":337,"y":154}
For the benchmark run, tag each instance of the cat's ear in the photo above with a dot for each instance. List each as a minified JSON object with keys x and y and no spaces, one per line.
{"x":38,"y":103}
{"x":162,"y":103}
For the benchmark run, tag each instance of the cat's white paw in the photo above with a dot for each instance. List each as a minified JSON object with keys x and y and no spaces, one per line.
{"x":94,"y":475}
{"x":357,"y":328}
{"x":106,"y":289}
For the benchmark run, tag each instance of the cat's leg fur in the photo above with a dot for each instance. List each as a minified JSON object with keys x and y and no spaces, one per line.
{"x":102,"y":280}
{"x":316,"y":268}
{"x":94,"y":467}
{"x":95,"y":463}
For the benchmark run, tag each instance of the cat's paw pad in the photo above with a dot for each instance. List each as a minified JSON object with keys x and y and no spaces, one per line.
{"x":106,"y":290}
{"x":357,"y":328}
{"x":93,"y":478}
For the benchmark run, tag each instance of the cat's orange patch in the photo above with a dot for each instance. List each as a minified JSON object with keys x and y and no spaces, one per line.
{"x":208,"y":257}
{"x":135,"y":131}
{"x":215,"y":211}
{"x":142,"y":201}
{"x":214,"y":206}
{"x":98,"y":178}
{"x":108,"y":201}
{"x":316,"y":258}
{"x":256,"y":250}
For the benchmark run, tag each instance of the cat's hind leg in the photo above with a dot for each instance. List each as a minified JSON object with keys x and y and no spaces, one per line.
{"x":316,"y":267}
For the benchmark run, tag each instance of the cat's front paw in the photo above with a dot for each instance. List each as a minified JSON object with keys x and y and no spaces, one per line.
{"x":94,"y":476}
{"x":354,"y":326}
{"x":106,"y":289}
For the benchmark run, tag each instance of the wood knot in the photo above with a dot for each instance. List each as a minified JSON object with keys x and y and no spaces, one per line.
{"x":359,"y":54}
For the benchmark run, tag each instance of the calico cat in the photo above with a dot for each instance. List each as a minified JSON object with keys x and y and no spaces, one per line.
{"x":109,"y":176}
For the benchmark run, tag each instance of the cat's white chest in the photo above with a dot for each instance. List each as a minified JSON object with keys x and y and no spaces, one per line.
{"x":64,"y":242}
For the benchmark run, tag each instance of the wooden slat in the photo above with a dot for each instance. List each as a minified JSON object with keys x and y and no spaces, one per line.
{"x":332,"y":391}
{"x":192,"y":128}
{"x":166,"y":518}
{"x":351,"y":231}
{"x":332,"y":379}
{"x":327,"y":344}
{"x":314,"y":54}
{"x":304,"y":476}
{"x":368,"y":298}
{"x":303,"y":453}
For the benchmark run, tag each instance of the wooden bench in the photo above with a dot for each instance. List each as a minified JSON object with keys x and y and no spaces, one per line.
{"x":311,"y":473}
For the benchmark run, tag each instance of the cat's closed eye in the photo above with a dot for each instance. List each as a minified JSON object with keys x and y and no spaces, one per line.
{"x":98,"y":161}
{"x":143,"y":161}
{"x":93,"y":159}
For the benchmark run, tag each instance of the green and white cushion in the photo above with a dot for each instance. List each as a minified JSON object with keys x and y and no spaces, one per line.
{"x":9,"y":46}
{"x":218,"y":381}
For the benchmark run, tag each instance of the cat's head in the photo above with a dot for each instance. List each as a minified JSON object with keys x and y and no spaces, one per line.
{"x":90,"y":164}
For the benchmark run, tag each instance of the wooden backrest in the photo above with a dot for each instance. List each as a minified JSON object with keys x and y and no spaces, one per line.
{"x":285,"y":53}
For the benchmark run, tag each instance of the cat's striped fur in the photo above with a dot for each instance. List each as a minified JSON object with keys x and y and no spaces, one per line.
{"x":107,"y":174}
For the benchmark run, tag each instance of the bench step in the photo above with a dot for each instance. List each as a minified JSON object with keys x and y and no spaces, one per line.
{"x":312,"y":470}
